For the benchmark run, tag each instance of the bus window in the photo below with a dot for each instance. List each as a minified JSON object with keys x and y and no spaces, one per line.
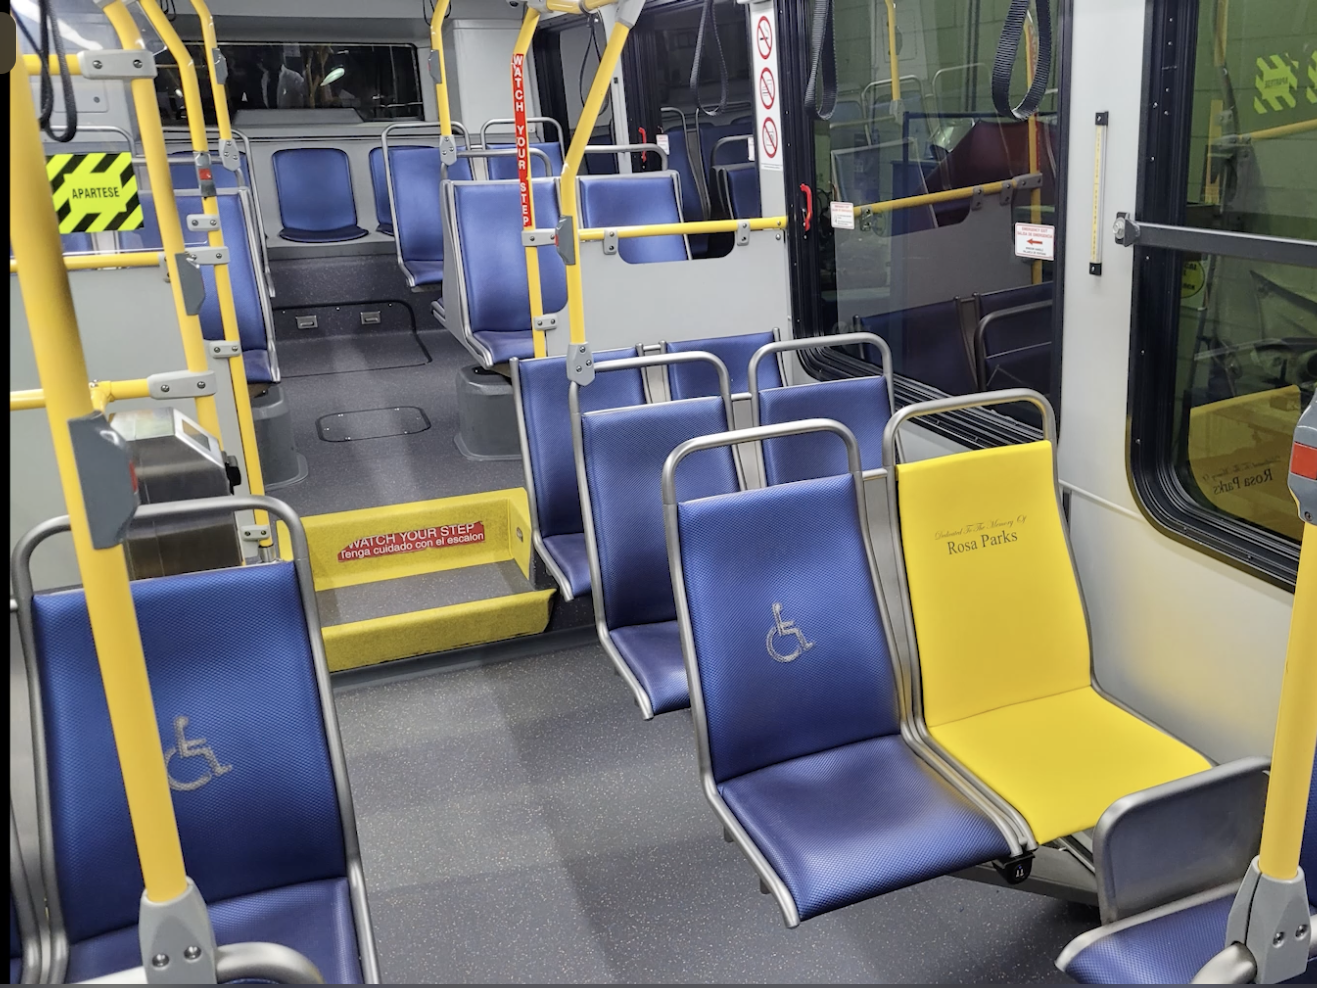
{"x":1233,"y":339}
{"x":379,"y":82}
{"x":941,"y":282}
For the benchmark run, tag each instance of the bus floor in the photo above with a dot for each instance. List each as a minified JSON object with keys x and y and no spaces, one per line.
{"x":391,"y":469}
{"x":520,"y":822}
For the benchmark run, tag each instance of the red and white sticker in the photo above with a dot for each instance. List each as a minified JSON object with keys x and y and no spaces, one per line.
{"x":415,"y":540}
{"x":842,"y":215}
{"x":522,"y":138}
{"x":1035,"y":241}
{"x":768,"y":111}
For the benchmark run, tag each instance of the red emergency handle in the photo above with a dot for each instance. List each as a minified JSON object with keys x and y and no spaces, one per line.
{"x":644,"y":139}
{"x":809,"y":204}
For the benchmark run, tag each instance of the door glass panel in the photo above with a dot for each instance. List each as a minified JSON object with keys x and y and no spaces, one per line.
{"x":940,"y":281}
{"x":1247,"y":331}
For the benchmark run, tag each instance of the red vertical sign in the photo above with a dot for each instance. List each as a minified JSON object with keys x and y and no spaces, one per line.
{"x":522,"y":139}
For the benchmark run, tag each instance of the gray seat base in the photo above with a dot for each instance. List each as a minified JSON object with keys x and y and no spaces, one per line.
{"x":486,"y":415}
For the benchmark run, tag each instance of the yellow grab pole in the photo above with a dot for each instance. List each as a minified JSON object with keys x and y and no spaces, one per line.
{"x":519,"y":50}
{"x":441,"y":83}
{"x":187,"y":72}
{"x":928,"y":198}
{"x":102,"y":393}
{"x":891,"y":50}
{"x":670,"y":229}
{"x":63,"y":372}
{"x":73,"y":61}
{"x":572,"y":165}
{"x":211,"y":42}
{"x":1296,"y":729}
{"x":171,"y":232}
{"x":97,"y":262}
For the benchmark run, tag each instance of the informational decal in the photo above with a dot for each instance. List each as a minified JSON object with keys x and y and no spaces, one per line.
{"x":768,"y":110}
{"x":1191,"y":279}
{"x":1276,"y":83}
{"x":1035,"y":241}
{"x":415,"y":540}
{"x":94,"y":192}
{"x":843,"y":215}
{"x":522,"y":138}
{"x":664,"y":143}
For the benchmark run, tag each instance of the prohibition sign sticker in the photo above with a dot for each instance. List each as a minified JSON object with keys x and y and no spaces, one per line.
{"x":769,"y":134}
{"x":764,"y":37}
{"x":767,"y":89}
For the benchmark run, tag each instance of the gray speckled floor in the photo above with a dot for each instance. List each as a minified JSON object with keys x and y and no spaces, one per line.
{"x":520,"y":822}
{"x":393,"y":470}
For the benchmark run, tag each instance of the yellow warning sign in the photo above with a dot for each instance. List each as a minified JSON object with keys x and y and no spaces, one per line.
{"x":1191,"y":279}
{"x":94,"y":192}
{"x":1310,"y":94}
{"x":1275,"y":84}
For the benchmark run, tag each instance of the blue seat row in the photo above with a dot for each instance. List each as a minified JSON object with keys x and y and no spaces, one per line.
{"x":415,"y":204}
{"x":252,"y":752}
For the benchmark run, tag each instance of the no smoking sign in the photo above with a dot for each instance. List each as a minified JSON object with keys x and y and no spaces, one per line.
{"x":767,"y":89}
{"x":764,"y":37}
{"x":769,"y":134}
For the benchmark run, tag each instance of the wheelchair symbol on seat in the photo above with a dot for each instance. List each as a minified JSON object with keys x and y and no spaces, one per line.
{"x":784,"y":629}
{"x":194,"y":748}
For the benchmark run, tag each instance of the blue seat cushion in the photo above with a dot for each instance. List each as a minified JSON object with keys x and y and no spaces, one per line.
{"x":425,"y":272}
{"x":15,"y":970}
{"x":569,"y":555}
{"x":700,"y":379}
{"x":257,"y":365}
{"x":653,"y":654}
{"x":856,"y":821}
{"x":338,"y":233}
{"x":1166,"y":950}
{"x":314,"y":918}
{"x":503,"y":347}
{"x":859,"y":403}
{"x":635,"y":200}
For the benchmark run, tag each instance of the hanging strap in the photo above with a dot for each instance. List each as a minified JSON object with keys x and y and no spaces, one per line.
{"x":707,"y":17}
{"x":50,"y":33}
{"x":821,"y":93}
{"x":1008,"y":46}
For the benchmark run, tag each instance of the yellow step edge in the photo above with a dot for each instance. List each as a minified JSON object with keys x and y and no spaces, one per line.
{"x":438,"y":629}
{"x":349,"y":548}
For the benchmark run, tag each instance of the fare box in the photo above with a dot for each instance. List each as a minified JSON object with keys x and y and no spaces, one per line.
{"x":1035,"y":241}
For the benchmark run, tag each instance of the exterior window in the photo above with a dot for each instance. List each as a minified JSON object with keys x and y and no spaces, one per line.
{"x":940,"y":281}
{"x":1231,"y":333}
{"x":379,"y":82}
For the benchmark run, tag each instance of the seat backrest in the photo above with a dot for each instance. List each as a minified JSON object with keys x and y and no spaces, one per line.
{"x":15,"y":943}
{"x":699,"y":379}
{"x":238,"y":708}
{"x":731,"y":153}
{"x":1009,"y":298}
{"x":314,"y":187}
{"x":624,"y":450}
{"x":379,"y":184}
{"x":741,"y":189}
{"x":488,"y":224}
{"x":997,"y":612}
{"x":861,"y":404}
{"x":542,"y":389}
{"x":420,"y":230}
{"x":756,"y":594}
{"x":242,"y":274}
{"x":927,"y":344}
{"x":634,"y":200}
{"x":183,"y":172}
{"x":1015,"y":345}
{"x":501,"y":167}
{"x":679,"y":161}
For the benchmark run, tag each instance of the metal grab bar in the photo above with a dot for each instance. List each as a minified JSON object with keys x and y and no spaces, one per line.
{"x":511,"y":121}
{"x":632,"y":148}
{"x":388,"y":178}
{"x":1030,"y":181}
{"x":668,"y":229}
{"x":962,"y":402}
{"x":235,"y":961}
{"x":98,"y":262}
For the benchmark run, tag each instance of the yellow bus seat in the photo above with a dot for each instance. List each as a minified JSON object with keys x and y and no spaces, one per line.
{"x":1003,"y":646}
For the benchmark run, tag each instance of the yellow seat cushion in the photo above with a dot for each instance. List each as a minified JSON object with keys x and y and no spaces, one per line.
{"x":1062,"y":760}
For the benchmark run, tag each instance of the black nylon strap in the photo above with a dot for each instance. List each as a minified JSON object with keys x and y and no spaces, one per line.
{"x":1007,"y":49}
{"x":707,"y":17}
{"x":821,"y":88}
{"x":50,"y":33}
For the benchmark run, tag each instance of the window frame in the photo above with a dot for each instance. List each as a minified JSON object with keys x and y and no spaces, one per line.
{"x":1170,"y":49}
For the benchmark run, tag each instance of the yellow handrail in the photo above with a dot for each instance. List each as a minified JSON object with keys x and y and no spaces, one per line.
{"x":187,"y":72}
{"x":62,"y":369}
{"x":699,"y":226}
{"x":891,"y":50}
{"x":97,"y":262}
{"x":441,"y":84}
{"x":102,"y":393}
{"x":1268,"y":133}
{"x":947,"y":195}
{"x":1296,"y":728}
{"x":528,"y":22}
{"x":572,"y":165}
{"x":33,"y":64}
{"x":171,"y":232}
{"x":211,"y":42}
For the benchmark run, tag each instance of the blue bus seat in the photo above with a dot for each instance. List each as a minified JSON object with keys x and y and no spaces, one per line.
{"x":15,"y":944}
{"x":634,"y":200}
{"x":740,"y":190}
{"x":862,"y":404}
{"x":495,"y":296}
{"x":183,"y":172}
{"x":927,"y":344}
{"x":700,"y":380}
{"x":802,"y":729}
{"x":1013,"y":341}
{"x":692,"y":209}
{"x":620,"y":453}
{"x":1170,"y":944}
{"x":379,"y":184}
{"x":314,"y":188}
{"x":501,"y":167}
{"x":267,"y":834}
{"x":540,"y":388}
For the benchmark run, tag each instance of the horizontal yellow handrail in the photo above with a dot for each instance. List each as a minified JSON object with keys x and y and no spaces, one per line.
{"x":96,"y":262}
{"x":1284,"y":130}
{"x":102,"y":393}
{"x":668,"y":229}
{"x":928,"y":198}
{"x":33,"y":63}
